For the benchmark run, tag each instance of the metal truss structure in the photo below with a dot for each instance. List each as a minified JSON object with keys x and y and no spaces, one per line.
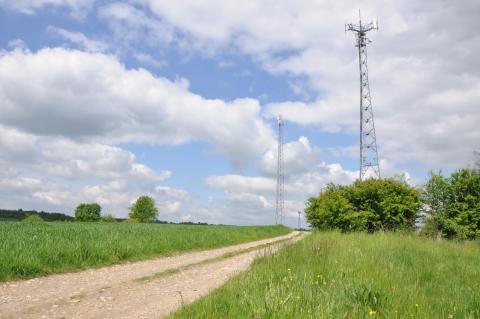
{"x":280,"y":203}
{"x":369,"y":166}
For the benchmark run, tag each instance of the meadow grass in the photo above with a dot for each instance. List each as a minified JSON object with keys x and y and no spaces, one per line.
{"x":32,"y":249}
{"x":333,"y":275}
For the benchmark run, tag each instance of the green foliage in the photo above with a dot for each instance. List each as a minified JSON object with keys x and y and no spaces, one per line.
{"x":32,"y":249}
{"x":33,"y":218}
{"x":108,"y":219}
{"x":369,"y":205}
{"x":88,"y":212}
{"x":354,"y":275}
{"x":453,"y":204}
{"x":144,"y":210}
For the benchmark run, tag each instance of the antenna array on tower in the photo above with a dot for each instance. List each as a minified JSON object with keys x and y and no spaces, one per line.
{"x":368,"y":141}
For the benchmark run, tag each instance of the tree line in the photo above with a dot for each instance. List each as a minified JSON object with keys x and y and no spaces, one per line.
{"x":143,"y":210}
{"x":20,"y":214}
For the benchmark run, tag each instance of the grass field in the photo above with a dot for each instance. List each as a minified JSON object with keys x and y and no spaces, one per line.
{"x":33,"y":249}
{"x":332,"y":275}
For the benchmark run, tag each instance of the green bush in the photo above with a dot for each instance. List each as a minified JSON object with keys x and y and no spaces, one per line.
{"x":369,"y":205}
{"x":144,"y":210}
{"x":453,"y":204}
{"x":88,"y":212}
{"x":33,"y":218}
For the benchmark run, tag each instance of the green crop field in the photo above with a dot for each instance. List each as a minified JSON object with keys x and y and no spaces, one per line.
{"x":33,"y":249}
{"x":333,"y":275}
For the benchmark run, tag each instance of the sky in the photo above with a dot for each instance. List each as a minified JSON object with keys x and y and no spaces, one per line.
{"x":104,"y":101}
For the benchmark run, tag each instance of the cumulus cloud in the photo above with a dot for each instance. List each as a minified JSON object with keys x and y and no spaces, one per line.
{"x":85,"y":96}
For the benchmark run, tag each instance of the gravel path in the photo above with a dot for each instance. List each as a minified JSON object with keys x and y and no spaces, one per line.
{"x":117,"y":292}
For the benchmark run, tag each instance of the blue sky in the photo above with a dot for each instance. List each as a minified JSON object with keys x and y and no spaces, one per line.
{"x":107,"y":100}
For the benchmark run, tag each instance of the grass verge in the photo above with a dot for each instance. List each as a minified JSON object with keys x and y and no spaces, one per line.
{"x":32,"y":249}
{"x":332,"y":275}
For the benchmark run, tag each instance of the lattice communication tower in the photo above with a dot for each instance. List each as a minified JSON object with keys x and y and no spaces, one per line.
{"x":280,"y":204}
{"x":368,"y":140}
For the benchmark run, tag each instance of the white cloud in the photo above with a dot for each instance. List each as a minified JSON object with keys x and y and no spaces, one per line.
{"x":85,"y":96}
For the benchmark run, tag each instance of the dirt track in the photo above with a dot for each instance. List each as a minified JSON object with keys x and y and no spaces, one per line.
{"x":117,"y":292}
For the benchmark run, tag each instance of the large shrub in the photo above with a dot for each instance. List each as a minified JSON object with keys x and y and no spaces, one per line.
{"x":453,"y":205}
{"x":369,"y":205}
{"x":144,"y":210}
{"x":88,"y":212}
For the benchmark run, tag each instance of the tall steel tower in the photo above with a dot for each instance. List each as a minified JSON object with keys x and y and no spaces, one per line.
{"x":368,"y":141}
{"x":279,"y":210}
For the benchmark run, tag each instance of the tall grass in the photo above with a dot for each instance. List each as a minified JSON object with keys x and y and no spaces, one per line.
{"x":332,"y":275}
{"x":32,"y":249}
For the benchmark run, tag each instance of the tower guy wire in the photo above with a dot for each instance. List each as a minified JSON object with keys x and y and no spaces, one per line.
{"x":280,"y":203}
{"x":369,"y":166}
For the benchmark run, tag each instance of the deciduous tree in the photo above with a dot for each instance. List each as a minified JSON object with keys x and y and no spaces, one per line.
{"x":144,"y":210}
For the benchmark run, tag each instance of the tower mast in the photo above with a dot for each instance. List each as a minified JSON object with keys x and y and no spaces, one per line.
{"x":368,"y":140}
{"x":279,"y":208}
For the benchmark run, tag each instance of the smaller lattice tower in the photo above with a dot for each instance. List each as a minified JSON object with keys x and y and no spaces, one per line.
{"x":368,"y":140}
{"x":280,"y":204}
